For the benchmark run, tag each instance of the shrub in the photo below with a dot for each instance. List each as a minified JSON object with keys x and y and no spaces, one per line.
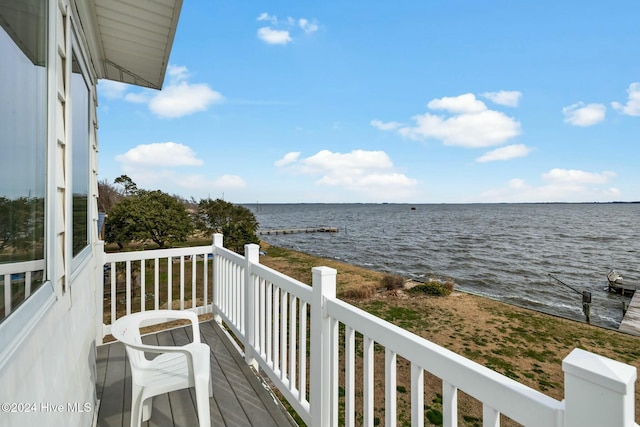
{"x":390,"y":282}
{"x":359,"y":292}
{"x":434,"y":287}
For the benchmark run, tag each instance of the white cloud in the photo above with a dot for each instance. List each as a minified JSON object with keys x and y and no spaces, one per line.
{"x":162,"y":166}
{"x":462,"y":104}
{"x":505,"y":153}
{"x":183,"y":99}
{"x":470,"y":123}
{"x":508,"y":98}
{"x":579,"y":177}
{"x":385,"y":126}
{"x":177,"y":73}
{"x":230,"y":182}
{"x":283,"y":31}
{"x":560,"y":185}
{"x":632,"y":107}
{"x":367,"y":172}
{"x":579,"y":114}
{"x":264,"y":16}
{"x":307,"y":27}
{"x":160,"y":154}
{"x":112,"y":90}
{"x":137,"y":98}
{"x":178,"y":98}
{"x":288,"y":158}
{"x":271,"y":36}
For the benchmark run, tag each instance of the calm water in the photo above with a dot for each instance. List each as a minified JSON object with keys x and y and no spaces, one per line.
{"x":504,"y":251}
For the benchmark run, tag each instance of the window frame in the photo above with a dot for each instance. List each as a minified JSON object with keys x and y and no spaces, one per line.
{"x":25,"y":318}
{"x":79,"y":259}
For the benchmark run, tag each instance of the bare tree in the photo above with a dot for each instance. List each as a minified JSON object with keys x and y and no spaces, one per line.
{"x":108,"y":196}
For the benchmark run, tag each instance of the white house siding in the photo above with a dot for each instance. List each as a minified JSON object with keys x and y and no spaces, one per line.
{"x":55,"y":365}
{"x":48,"y":377}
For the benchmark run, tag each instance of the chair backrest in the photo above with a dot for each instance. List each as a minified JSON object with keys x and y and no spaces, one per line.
{"x":127,"y":330}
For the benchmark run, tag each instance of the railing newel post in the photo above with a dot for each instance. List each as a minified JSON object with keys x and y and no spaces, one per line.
{"x":322,"y":346}
{"x":215,"y":283}
{"x":598,"y":391}
{"x":251,"y":256}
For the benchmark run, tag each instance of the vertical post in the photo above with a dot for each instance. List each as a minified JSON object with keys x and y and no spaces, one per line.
{"x":215,"y":283}
{"x":324,"y":287}
{"x":251,"y":256}
{"x":598,"y":391}
{"x":450,"y":405}
{"x":99,"y":291}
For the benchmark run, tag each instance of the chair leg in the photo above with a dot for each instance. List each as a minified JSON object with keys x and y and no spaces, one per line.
{"x":136,"y":405}
{"x":147,"y":406}
{"x":202,"y":400}
{"x":210,"y":386}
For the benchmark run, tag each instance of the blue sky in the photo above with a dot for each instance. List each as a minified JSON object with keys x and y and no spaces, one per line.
{"x":412,"y":101}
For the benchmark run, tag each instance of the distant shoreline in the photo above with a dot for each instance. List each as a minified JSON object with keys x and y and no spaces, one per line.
{"x":439,"y":203}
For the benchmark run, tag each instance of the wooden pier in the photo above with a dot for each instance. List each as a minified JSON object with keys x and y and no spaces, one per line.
{"x":631,"y":321}
{"x":298,"y":230}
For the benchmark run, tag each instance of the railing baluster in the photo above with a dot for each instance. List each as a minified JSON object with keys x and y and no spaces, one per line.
{"x":128,"y":286}
{"x":349,"y":376}
{"x":490,"y":417}
{"x":268,"y":323}
{"x":181,"y":282}
{"x":114,"y":298}
{"x":449,"y":405}
{"x":417,"y":396}
{"x":302,"y":354}
{"x":169,"y":282}
{"x":205,"y":280}
{"x":194,"y":286}
{"x":261,"y":320}
{"x":143,"y":292}
{"x":156,"y":283}
{"x":292,"y":342}
{"x":276,"y":330}
{"x":333,"y":372}
{"x":367,"y":381}
{"x":390,"y":387}
{"x":283,"y":335}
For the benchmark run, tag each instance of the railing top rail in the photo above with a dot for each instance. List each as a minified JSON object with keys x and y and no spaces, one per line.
{"x":230,"y":255}
{"x":517,"y":401}
{"x":157,"y":253}
{"x":290,"y":285}
{"x":21,"y":267}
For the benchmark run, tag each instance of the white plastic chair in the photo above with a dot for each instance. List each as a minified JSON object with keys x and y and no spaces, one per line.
{"x":175,"y":368}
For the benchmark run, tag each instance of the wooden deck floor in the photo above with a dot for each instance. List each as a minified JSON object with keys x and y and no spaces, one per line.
{"x":631,"y":322}
{"x":239,"y":397}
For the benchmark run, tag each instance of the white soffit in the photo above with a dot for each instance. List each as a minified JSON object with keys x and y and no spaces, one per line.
{"x":135,"y":39}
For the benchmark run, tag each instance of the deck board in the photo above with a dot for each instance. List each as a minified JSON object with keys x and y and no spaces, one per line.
{"x":631,"y":321}
{"x":239,"y":397}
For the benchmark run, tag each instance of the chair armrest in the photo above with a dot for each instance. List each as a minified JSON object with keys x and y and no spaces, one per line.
{"x":193,"y":352}
{"x":162,"y":316}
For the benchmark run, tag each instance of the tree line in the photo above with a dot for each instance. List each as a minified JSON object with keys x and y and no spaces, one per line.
{"x":134,"y":214}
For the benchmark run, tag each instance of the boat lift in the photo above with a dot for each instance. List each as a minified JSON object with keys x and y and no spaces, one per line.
{"x":586,"y":298}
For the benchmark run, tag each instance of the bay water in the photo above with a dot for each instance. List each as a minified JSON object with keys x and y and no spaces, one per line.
{"x":501,"y":251}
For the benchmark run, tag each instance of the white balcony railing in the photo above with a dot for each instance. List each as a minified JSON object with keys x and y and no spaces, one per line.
{"x":304,"y":339}
{"x":177,"y":279}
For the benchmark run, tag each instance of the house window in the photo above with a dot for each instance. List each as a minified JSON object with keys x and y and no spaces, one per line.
{"x":23,"y":137}
{"x":80,"y":157}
